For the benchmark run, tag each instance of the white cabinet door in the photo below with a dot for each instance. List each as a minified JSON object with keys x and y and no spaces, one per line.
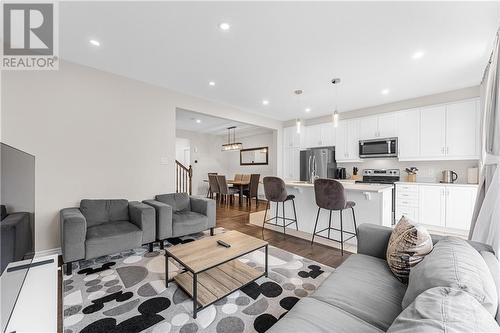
{"x":340,"y":142}
{"x":327,"y":134}
{"x":368,"y":128}
{"x":408,"y":125}
{"x":352,"y":139}
{"x":313,"y":136}
{"x":461,"y":130}
{"x":432,"y":132}
{"x":432,"y":205}
{"x":290,"y":137}
{"x":387,"y":125}
{"x":459,"y":206}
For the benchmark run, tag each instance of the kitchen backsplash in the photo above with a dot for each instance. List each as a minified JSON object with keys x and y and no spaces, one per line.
{"x":429,"y":171}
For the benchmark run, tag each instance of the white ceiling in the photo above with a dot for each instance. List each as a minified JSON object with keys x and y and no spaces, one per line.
{"x":187,"y":120}
{"x":274,"y":48}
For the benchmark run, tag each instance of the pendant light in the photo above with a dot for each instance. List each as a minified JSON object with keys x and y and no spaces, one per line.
{"x":298,"y":122}
{"x":231,"y":144}
{"x":335,"y":116}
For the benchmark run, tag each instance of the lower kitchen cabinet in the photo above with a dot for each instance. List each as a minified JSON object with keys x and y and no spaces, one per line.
{"x":447,"y":207}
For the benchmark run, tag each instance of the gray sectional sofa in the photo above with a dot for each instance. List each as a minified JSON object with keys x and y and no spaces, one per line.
{"x":362,"y":295}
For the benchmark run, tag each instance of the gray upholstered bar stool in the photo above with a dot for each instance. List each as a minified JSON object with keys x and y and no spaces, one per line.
{"x":275,"y":191}
{"x":330,"y":195}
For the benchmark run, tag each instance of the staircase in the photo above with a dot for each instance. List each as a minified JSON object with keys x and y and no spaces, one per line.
{"x":183,"y":178}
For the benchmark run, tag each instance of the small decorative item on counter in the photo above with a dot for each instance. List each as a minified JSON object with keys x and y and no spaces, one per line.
{"x":355,"y":175}
{"x":412,"y":174}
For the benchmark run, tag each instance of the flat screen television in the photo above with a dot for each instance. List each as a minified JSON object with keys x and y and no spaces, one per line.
{"x":17,"y":225}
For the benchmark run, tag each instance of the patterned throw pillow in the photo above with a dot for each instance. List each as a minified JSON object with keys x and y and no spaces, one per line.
{"x":408,"y":245}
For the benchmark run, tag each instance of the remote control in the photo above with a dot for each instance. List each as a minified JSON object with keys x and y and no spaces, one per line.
{"x":223,"y":243}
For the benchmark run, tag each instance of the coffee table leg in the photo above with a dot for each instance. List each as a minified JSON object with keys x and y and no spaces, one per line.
{"x":195,"y":294}
{"x":166,"y":269}
{"x":266,"y":259}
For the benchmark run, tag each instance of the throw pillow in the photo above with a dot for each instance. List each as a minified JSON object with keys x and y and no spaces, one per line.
{"x":408,"y":244}
{"x":453,"y":263}
{"x":444,"y":310}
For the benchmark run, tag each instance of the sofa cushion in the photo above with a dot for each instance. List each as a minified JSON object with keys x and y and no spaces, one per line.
{"x":311,"y":315}
{"x":178,"y":201}
{"x":453,"y":263}
{"x":444,"y":310}
{"x":187,"y":222}
{"x":97,"y":211}
{"x":111,"y":237}
{"x":408,"y":244}
{"x":494,"y":267}
{"x":365,"y":287}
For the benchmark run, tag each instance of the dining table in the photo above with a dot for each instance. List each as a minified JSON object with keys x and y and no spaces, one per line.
{"x":240,"y":184}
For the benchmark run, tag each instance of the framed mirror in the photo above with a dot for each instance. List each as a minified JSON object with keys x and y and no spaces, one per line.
{"x":254,"y":156}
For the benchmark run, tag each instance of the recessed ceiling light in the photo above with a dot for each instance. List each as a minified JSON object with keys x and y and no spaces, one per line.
{"x":224,"y":26}
{"x":308,"y":109}
{"x":198,"y":121}
{"x":265,"y":102}
{"x":94,"y":42}
{"x":418,"y":55}
{"x":385,"y":92}
{"x":211,"y":83}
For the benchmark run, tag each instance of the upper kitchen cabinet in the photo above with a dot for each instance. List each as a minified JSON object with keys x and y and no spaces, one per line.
{"x":347,"y":141}
{"x":321,"y":135}
{"x":408,"y":125}
{"x":380,"y":126}
{"x":462,"y":130}
{"x":432,"y":130}
{"x":291,"y":138}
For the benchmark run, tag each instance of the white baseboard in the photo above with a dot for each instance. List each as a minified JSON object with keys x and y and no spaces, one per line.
{"x":49,"y":252}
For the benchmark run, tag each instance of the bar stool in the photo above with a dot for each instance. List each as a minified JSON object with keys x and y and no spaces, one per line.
{"x":330,"y":195}
{"x":275,"y":191}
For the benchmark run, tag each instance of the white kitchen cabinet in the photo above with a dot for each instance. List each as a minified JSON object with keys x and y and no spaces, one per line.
{"x":379,"y":126}
{"x":432,"y":205}
{"x":347,"y":140}
{"x":408,"y":125}
{"x":462,"y":125}
{"x":290,"y":137}
{"x":320,"y":135}
{"x":432,"y":131}
{"x":460,"y":203}
{"x":291,"y":166}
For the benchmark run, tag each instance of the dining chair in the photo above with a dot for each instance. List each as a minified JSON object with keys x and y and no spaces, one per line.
{"x":245,"y":178}
{"x":238,"y":177}
{"x":210,"y":191}
{"x":224,"y":190}
{"x":252,"y":190}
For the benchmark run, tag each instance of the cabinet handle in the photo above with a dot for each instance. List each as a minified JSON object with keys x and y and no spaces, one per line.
{"x":446,"y":150}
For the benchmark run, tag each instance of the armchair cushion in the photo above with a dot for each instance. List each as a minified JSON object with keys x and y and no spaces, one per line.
{"x":206,"y":207}
{"x":98,"y":211}
{"x":111,"y":237}
{"x":163,"y":219}
{"x":187,"y":222}
{"x":73,"y":233}
{"x":143,"y":216}
{"x":178,"y":201}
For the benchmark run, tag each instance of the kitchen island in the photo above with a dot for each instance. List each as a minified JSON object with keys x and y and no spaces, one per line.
{"x":373,"y":205}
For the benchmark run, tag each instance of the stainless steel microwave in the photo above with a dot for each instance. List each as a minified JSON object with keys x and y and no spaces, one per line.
{"x":378,"y":148}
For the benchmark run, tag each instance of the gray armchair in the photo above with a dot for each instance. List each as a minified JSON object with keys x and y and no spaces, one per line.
{"x":178,"y":214}
{"x":16,"y":237}
{"x":102,"y":227}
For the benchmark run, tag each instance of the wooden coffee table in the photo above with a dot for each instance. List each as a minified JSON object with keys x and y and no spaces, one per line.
{"x":211,"y":271}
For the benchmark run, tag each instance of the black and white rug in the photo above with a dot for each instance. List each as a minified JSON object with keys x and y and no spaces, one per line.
{"x":126,"y":292}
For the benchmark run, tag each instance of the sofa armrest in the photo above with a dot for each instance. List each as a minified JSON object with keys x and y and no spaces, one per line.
{"x":206,"y":207}
{"x":163,"y":219}
{"x":143,"y":216}
{"x":373,"y":239}
{"x":73,"y":234}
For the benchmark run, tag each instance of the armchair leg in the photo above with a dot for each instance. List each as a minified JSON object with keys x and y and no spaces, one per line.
{"x":150,"y":246}
{"x":68,"y":268}
{"x":211,"y":231}
{"x":162,"y":245}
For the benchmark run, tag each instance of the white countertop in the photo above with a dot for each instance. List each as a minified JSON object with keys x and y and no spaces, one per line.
{"x":349,"y":185}
{"x":436,"y":184}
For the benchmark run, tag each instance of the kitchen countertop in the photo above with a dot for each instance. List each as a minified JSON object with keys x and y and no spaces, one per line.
{"x":436,"y":184}
{"x":349,"y":185}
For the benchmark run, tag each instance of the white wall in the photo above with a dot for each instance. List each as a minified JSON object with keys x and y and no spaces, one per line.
{"x":95,"y":135}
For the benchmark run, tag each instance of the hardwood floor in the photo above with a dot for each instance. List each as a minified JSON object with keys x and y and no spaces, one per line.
{"x":235,"y":217}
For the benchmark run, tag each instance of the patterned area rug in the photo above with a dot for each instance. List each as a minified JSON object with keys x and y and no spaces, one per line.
{"x":126,"y":292}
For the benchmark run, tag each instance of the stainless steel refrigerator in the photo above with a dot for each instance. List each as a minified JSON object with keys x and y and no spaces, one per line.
{"x":319,"y":162}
